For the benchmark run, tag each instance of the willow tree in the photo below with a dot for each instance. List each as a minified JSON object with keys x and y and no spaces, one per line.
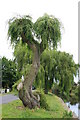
{"x":42,"y":34}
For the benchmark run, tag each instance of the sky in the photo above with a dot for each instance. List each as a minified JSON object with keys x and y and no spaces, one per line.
{"x":65,"y":10}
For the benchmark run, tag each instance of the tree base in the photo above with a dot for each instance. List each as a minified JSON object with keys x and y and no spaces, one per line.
{"x":28,"y":99}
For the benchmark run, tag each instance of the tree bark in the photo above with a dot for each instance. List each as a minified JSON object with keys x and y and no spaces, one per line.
{"x":25,"y":88}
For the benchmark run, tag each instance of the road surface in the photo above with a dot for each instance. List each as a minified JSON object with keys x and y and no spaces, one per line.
{"x":7,"y":98}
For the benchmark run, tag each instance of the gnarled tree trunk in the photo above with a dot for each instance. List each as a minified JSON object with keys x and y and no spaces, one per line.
{"x":25,"y":88}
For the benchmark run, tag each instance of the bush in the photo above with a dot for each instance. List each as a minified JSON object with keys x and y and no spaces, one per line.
{"x":43,"y":101}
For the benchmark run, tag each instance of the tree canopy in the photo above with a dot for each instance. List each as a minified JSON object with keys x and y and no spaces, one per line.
{"x":58,"y":67}
{"x":46,"y":30}
{"x":23,"y":57}
{"x":55,"y":66}
{"x":9,"y":73}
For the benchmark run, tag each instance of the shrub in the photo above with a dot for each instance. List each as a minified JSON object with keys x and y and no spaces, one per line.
{"x":43,"y":100}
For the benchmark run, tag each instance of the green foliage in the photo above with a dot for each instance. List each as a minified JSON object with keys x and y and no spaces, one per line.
{"x":60,"y":69}
{"x":47,"y":28}
{"x":19,"y":25}
{"x":43,"y":100}
{"x":9,"y":73}
{"x":67,"y":114}
{"x":73,"y":97}
{"x":39,"y":81}
{"x":58,"y":91}
{"x":23,"y":57}
{"x":65,"y":71}
{"x":55,"y":89}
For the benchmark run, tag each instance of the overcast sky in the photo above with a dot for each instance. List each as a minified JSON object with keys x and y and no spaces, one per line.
{"x":65,"y":10}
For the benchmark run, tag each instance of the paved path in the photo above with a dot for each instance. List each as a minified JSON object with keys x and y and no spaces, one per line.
{"x":7,"y":98}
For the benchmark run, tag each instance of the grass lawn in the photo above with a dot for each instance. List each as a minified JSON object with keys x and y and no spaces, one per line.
{"x":15,"y":109}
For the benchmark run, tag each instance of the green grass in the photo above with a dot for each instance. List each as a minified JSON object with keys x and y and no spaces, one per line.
{"x":15,"y":109}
